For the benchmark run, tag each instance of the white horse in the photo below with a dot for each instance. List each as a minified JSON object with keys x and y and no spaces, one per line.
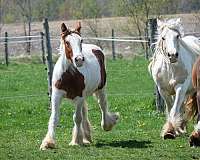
{"x":78,"y":73}
{"x":171,"y":69}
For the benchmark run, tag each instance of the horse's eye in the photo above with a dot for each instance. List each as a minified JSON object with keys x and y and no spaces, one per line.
{"x":81,"y":41}
{"x":163,"y":38}
{"x":178,"y":36}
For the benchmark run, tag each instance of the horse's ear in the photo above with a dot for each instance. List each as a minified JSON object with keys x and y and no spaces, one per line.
{"x":63,"y":27}
{"x":178,"y":20}
{"x":159,"y":22}
{"x":78,"y":27}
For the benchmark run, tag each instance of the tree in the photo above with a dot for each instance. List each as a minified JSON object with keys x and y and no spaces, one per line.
{"x":90,"y":11}
{"x":138,"y":11}
{"x":3,"y":7}
{"x":25,"y":9}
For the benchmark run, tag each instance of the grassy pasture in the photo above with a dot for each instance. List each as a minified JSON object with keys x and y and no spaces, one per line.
{"x":23,"y":120}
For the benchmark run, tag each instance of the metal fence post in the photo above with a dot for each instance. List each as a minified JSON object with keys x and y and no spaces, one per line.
{"x":6,"y":48}
{"x":152,"y":23}
{"x":48,"y":57}
{"x":42,"y":47}
{"x":113,"y":45}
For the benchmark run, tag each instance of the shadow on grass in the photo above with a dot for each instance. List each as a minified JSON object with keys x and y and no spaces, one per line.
{"x":125,"y":144}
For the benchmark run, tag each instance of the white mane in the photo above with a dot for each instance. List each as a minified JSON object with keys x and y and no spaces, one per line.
{"x":175,"y":24}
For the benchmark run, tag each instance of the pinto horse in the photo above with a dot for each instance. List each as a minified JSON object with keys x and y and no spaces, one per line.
{"x":171,"y":68}
{"x":78,"y":73}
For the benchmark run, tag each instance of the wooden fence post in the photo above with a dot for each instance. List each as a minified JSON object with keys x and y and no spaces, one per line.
{"x":48,"y":57}
{"x":113,"y":45}
{"x":160,"y":105}
{"x":147,"y":43}
{"x":6,"y":48}
{"x":42,"y":47}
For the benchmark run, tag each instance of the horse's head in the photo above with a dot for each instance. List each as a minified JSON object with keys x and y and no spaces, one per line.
{"x":71,"y":44}
{"x":169,"y":37}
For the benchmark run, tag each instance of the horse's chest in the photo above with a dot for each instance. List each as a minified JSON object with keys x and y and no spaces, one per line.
{"x":72,"y":82}
{"x":168,"y":77}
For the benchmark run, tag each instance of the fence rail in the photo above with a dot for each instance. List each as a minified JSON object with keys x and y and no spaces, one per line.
{"x":45,"y":41}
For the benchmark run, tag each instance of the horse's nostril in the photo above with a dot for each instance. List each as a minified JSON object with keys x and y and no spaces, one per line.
{"x":176,"y":54}
{"x":79,"y":59}
{"x":168,"y":55}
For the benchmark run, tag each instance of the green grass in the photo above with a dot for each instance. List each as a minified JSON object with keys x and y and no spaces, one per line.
{"x":23,"y":120}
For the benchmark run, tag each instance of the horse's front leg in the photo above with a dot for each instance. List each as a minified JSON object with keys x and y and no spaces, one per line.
{"x":175,"y":120}
{"x":108,"y":119}
{"x":77,"y":133}
{"x":167,"y":131}
{"x":49,"y":140}
{"x":87,"y":139}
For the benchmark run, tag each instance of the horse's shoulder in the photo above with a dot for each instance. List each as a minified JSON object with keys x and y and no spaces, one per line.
{"x":71,"y":81}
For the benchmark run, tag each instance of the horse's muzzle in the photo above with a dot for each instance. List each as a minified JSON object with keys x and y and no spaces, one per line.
{"x":79,"y":61}
{"x":173,"y":58}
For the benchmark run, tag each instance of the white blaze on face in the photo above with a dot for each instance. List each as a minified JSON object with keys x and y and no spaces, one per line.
{"x":75,"y":42}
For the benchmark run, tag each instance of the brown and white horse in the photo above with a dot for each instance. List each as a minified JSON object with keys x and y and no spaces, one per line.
{"x":78,"y":73}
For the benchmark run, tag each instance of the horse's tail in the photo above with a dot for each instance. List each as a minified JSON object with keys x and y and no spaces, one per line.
{"x":191,"y":108}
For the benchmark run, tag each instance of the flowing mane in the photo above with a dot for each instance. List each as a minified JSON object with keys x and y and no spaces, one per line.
{"x":174,"y":24}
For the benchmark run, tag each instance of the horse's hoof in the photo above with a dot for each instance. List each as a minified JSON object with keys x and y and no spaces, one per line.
{"x":169,"y":136}
{"x":73,"y":143}
{"x":194,"y":139}
{"x":86,"y":142}
{"x":110,"y":120}
{"x":47,"y":145}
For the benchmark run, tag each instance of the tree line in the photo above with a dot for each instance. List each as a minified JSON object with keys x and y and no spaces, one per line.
{"x":17,"y":10}
{"x":28,"y":11}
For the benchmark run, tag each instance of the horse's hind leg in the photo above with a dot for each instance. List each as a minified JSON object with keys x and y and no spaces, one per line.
{"x":49,"y":140}
{"x":77,"y":133}
{"x":108,"y":119}
{"x":86,"y":125}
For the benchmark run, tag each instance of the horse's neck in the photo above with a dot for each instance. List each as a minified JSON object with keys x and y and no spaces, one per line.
{"x":63,"y":64}
{"x":191,"y":44}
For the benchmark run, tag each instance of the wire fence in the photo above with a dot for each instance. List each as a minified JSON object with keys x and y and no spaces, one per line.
{"x":22,"y":82}
{"x":29,"y":81}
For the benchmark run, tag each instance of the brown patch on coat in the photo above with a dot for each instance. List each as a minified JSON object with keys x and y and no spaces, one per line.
{"x":72,"y":81}
{"x":100,"y":57}
{"x":196,"y":74}
{"x":68,"y":50}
